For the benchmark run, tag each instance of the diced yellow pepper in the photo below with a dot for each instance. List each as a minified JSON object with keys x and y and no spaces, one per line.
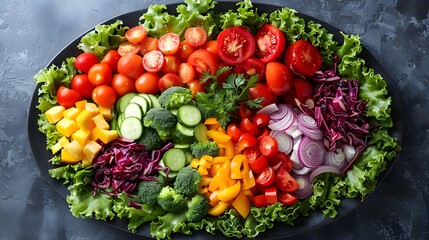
{"x":91,"y":150}
{"x":74,"y":148}
{"x":242,"y":204}
{"x":64,"y":142}
{"x":100,"y":122}
{"x":219,"y":208}
{"x":67,"y":157}
{"x":92,"y":108}
{"x":84,"y":120}
{"x":228,"y":194}
{"x":71,"y":113}
{"x":55,"y":114}
{"x":218,"y":137}
{"x":194,"y":163}
{"x":66,"y":127}
{"x":211,"y":121}
{"x":106,"y":112}
{"x":81,"y":136}
{"x":105,"y":136}
{"x":81,"y":105}
{"x":229,"y":149}
{"x":236,"y":164}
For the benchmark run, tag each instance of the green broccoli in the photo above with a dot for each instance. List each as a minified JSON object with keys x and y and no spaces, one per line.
{"x":206,"y":148}
{"x":187,"y":181}
{"x":175,"y":97}
{"x":150,"y":139}
{"x":162,"y":121}
{"x":170,"y":200}
{"x":197,"y":208}
{"x":149,"y":190}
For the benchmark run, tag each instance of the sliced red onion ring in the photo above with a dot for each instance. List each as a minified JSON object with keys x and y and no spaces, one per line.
{"x":268,"y":109}
{"x":305,"y":188}
{"x":311,"y":153}
{"x":302,"y":171}
{"x":291,"y":129}
{"x":337,"y":160}
{"x":349,"y":152}
{"x":283,"y":123}
{"x":282,"y":111}
{"x":294,"y":158}
{"x":307,"y":121}
{"x":323,"y":169}
{"x":284,"y":141}
{"x":314,"y":134}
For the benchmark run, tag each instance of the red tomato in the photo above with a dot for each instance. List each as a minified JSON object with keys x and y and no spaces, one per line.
{"x":260,"y":201}
{"x":122,"y":85}
{"x":136,"y":34}
{"x":195,"y":86}
{"x":268,"y":146}
{"x":271,"y":195}
{"x":204,"y":61}
{"x":112,"y":58}
{"x":171,"y":64}
{"x":264,"y":132}
{"x":235,"y":45}
{"x":285,"y":182}
{"x":250,"y":67}
{"x":169,"y":43}
{"x":270,"y":43}
{"x":247,"y":126}
{"x":196,"y":36}
{"x":289,"y":98}
{"x":81,"y":84}
{"x":234,"y":132}
{"x":287,"y":164}
{"x":303,"y":58}
{"x":304,"y":89}
{"x":153,"y":61}
{"x":168,"y":80}
{"x":259,"y":164}
{"x":287,"y":198}
{"x":100,"y":74}
{"x":277,"y":160}
{"x":85,"y":61}
{"x":266,"y":178}
{"x":247,"y":140}
{"x":130,"y":66}
{"x":186,"y":72}
{"x":261,"y":120}
{"x":147,"y":83}
{"x":245,"y":111}
{"x":67,"y":97}
{"x":279,"y":78}
{"x":104,"y":95}
{"x":211,"y":46}
{"x":148,"y":44}
{"x":261,"y":90}
{"x":185,"y":50}
{"x":128,"y":47}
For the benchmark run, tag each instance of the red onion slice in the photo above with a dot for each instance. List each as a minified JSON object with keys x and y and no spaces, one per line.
{"x":337,"y":160}
{"x":302,"y":171}
{"x":314,"y":134}
{"x":282,"y":111}
{"x":284,"y":141}
{"x":305,"y":189}
{"x":283,"y":123}
{"x":311,"y":153}
{"x":349,"y":152}
{"x":307,"y":121}
{"x":268,"y":109}
{"x":323,"y":169}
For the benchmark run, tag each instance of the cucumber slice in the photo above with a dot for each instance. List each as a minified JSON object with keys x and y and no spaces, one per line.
{"x":121,"y":117}
{"x":142,"y":102}
{"x":173,"y":111}
{"x":171,"y":174}
{"x":114,"y":123}
{"x":184,"y":131}
{"x":200,"y":133}
{"x":131,"y":128}
{"x":133,"y":110}
{"x":148,"y":100}
{"x":189,"y":115}
{"x":182,"y":146}
{"x":125,"y":100}
{"x":154,"y":100}
{"x":174,"y":159}
{"x":189,"y":156}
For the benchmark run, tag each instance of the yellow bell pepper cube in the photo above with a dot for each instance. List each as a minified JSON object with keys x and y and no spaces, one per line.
{"x":71,"y":113}
{"x":60,"y":144}
{"x":242,"y":205}
{"x":66,"y":127}
{"x":236,"y":164}
{"x":85,"y":161}
{"x":55,"y":114}
{"x":91,"y":149}
{"x":81,"y":105}
{"x":100,"y":122}
{"x":218,"y":137}
{"x":74,"y":148}
{"x":81,"y":136}
{"x":67,"y":157}
{"x":84,"y":120}
{"x":230,"y":193}
{"x":219,"y":208}
{"x":106,"y":112}
{"x":105,"y":136}
{"x":92,"y":108}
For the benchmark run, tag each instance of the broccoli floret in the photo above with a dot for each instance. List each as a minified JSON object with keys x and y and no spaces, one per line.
{"x":162,"y":121}
{"x":187,"y":181}
{"x":197,"y":208}
{"x":150,"y":139}
{"x":170,"y":200}
{"x":149,"y":190}
{"x":175,"y":97}
{"x":207,"y":148}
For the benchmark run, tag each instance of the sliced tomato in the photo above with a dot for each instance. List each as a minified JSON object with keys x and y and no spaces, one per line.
{"x":104,"y":95}
{"x":85,"y":61}
{"x":261,"y":90}
{"x":245,"y":111}
{"x":304,"y":89}
{"x":112,"y":58}
{"x":268,"y":146}
{"x":136,"y":34}
{"x":261,"y":120}
{"x":211,"y":46}
{"x":266,"y":178}
{"x":270,"y":43}
{"x":260,"y":201}
{"x":131,"y":66}
{"x":148,"y":44}
{"x":279,"y":78}
{"x":171,"y":64}
{"x":247,"y":140}
{"x":247,"y":126}
{"x":271,"y":195}
{"x":153,"y":61}
{"x":204,"y":61}
{"x":67,"y":97}
{"x":185,"y":50}
{"x":128,"y":47}
{"x":263,"y":132}
{"x":285,"y":182}
{"x":277,"y":160}
{"x":196,"y":36}
{"x":235,"y":45}
{"x":252,"y":153}
{"x":186,"y":72}
{"x":168,"y":80}
{"x":287,"y":198}
{"x":303,"y":58}
{"x":234,"y":132}
{"x":250,"y":67}
{"x":259,"y":164}
{"x":100,"y":74}
{"x":147,"y":83}
{"x":81,"y":84}
{"x":169,"y":43}
{"x":195,"y":86}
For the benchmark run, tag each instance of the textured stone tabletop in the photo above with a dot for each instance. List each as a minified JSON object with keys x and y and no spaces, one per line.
{"x":396,"y":32}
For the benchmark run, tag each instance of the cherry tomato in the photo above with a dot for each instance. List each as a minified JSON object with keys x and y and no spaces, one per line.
{"x":247,"y":126}
{"x":287,"y":163}
{"x":112,"y":58}
{"x":277,"y":160}
{"x":130,"y":66}
{"x":81,"y":84}
{"x":304,"y":89}
{"x":271,"y":195}
{"x":147,"y":83}
{"x":266,"y":178}
{"x":100,"y":74}
{"x":128,"y":47}
{"x":211,"y":46}
{"x":259,"y":164}
{"x":260,"y":201}
{"x":252,"y":153}
{"x":122,"y":85}
{"x":287,"y":198}
{"x":234,"y":132}
{"x":263,"y":132}
{"x":250,"y":67}
{"x":203,"y":61}
{"x":169,"y":43}
{"x":196,"y":36}
{"x":247,"y":140}
{"x":261,"y":120}
{"x":279,"y":78}
{"x":148,"y":44}
{"x":261,"y":90}
{"x":195,"y":86}
{"x":67,"y":97}
{"x":136,"y":34}
{"x":171,"y":64}
{"x":303,"y":58}
{"x":235,"y":45}
{"x":153,"y":61}
{"x":245,"y":111}
{"x":185,"y":50}
{"x":168,"y":80}
{"x":268,"y":146}
{"x":85,"y":61}
{"x":285,"y":182}
{"x":270,"y":43}
{"x":104,"y":95}
{"x":186,"y":72}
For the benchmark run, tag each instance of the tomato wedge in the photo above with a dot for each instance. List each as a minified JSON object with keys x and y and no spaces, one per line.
{"x":234,"y":132}
{"x":250,"y":67}
{"x":235,"y":45}
{"x":287,"y":198}
{"x":268,"y":146}
{"x":266,"y":178}
{"x":271,"y":195}
{"x":260,"y":201}
{"x":203,"y":61}
{"x":303,"y":58}
{"x":270,"y":43}
{"x":285,"y":182}
{"x":247,"y":140}
{"x":247,"y":126}
{"x":261,"y":120}
{"x":259,"y":164}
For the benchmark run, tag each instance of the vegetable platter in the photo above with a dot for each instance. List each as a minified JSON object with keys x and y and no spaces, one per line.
{"x":214,"y":119}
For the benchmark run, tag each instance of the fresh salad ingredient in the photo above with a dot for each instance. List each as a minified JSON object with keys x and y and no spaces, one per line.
{"x":150,"y":139}
{"x":85,"y":61}
{"x":279,"y":78}
{"x":149,"y":190}
{"x":175,"y":97}
{"x":270,"y":43}
{"x":303,"y":58}
{"x":235,"y":45}
{"x":161,"y":120}
{"x":67,"y":97}
{"x":81,"y":84}
{"x":209,"y":148}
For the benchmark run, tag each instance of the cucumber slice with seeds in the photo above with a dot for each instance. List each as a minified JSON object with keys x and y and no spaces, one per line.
{"x":189,"y":115}
{"x":131,"y":128}
{"x":133,"y":110}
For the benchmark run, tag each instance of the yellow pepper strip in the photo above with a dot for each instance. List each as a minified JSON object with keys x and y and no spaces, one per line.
{"x":236,"y":164}
{"x":213,"y":198}
{"x":242,"y":205}
{"x":239,"y":148}
{"x":218,"y":137}
{"x":230,"y":193}
{"x":248,"y":180}
{"x":221,"y":129}
{"x":205,"y":181}
{"x":194,"y":163}
{"x":203,"y":170}
{"x":219,"y":208}
{"x":229,"y":149}
{"x":220,"y":159}
{"x":211,"y":121}
{"x":202,"y":190}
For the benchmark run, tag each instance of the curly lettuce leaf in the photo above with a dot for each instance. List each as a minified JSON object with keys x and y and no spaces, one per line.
{"x":245,"y":15}
{"x":286,"y":20}
{"x":323,"y":40}
{"x":84,"y":205}
{"x":167,"y":224}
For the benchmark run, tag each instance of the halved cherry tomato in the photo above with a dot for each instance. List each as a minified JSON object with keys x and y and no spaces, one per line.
{"x":303,"y":58}
{"x":169,"y":43}
{"x":112,"y":58}
{"x":100,"y":74}
{"x":260,"y":201}
{"x":285,"y":182}
{"x":148,"y":44}
{"x":122,"y":85}
{"x":279,"y":78}
{"x":203,"y":61}
{"x":271,"y":195}
{"x":147,"y":83}
{"x":268,"y":146}
{"x":186,"y":72}
{"x":196,"y":36}
{"x":67,"y":97}
{"x":270,"y":43}
{"x":261,"y":120}
{"x":261,"y":90}
{"x":287,"y":164}
{"x":171,"y":64}
{"x":85,"y":61}
{"x":252,"y":153}
{"x":195,"y":86}
{"x":234,"y":132}
{"x":211,"y":46}
{"x":245,"y":111}
{"x":250,"y":67}
{"x":104,"y":95}
{"x":153,"y":61}
{"x":247,"y":126}
{"x":131,"y":66}
{"x":128,"y":47}
{"x":264,"y":132}
{"x":280,"y":160}
{"x":259,"y":164}
{"x":247,"y":140}
{"x":266,"y":178}
{"x":235,"y":45}
{"x":136,"y":34}
{"x":184,"y":51}
{"x":168,"y":80}
{"x":304,"y":89}
{"x":287,"y":198}
{"x":81,"y":84}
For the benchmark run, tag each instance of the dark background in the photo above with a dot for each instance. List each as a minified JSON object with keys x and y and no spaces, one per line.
{"x":33,"y":32}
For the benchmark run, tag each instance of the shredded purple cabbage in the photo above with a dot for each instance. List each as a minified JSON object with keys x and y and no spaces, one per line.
{"x":122,"y":164}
